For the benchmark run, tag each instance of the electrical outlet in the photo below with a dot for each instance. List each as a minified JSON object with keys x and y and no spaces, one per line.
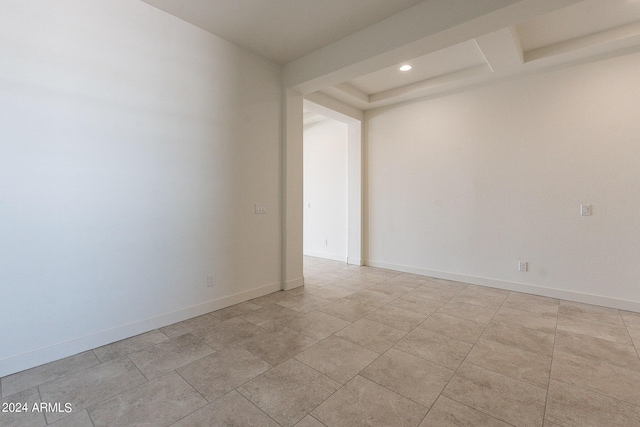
{"x":210,"y":281}
{"x":523,"y":266}
{"x":260,"y":209}
{"x":585,"y":210}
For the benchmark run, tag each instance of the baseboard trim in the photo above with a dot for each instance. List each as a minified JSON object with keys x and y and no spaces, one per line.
{"x":292,"y":284}
{"x":55,"y":352}
{"x":325,"y":255}
{"x":355,"y":261}
{"x":518,"y":287}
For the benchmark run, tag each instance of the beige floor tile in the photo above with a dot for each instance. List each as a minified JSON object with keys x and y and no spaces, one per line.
{"x":10,"y":416}
{"x":269,"y":299}
{"x":237,"y":310}
{"x":160,"y":402}
{"x":231,"y":410}
{"x":364,"y":403}
{"x":391,"y":289}
{"x":525,"y":319}
{"x":318,"y":280}
{"x":613,"y":381}
{"x":45,"y":373}
{"x":606,"y":331}
{"x":532,"y":307}
{"x":630,"y":318}
{"x":337,"y":358}
{"x":449,"y":413}
{"x":570,"y":406}
{"x":309,"y":421}
{"x":173,"y":331}
{"x":468,"y":311}
{"x":167,"y":356}
{"x":519,"y":297}
{"x":485,"y":291}
{"x":93,"y":385}
{"x":513,"y":401}
{"x":431,"y":293}
{"x":443,"y":284}
{"x":408,"y":280}
{"x":270,"y":313}
{"x":230,"y":332}
{"x":367,"y":296}
{"x":417,"y":304}
{"x":78,"y":419}
{"x":512,"y":362}
{"x":355,"y":284}
{"x":371,"y":335}
{"x":440,"y":349}
{"x":397,"y":318}
{"x":219,"y":373}
{"x":129,"y":345}
{"x":598,"y":349}
{"x":516,"y":336}
{"x":454,"y":327}
{"x":408,"y":375}
{"x":331,"y":292}
{"x":347,"y":310}
{"x":303,"y":302}
{"x":276,"y":347}
{"x":480,"y":298}
{"x":197,"y":323}
{"x":592,"y":313}
{"x":317,"y":325}
{"x":288,"y":392}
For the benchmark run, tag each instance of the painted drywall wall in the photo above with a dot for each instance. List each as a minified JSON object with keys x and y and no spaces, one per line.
{"x":465,"y":186}
{"x":133,"y":147}
{"x":325,"y":189}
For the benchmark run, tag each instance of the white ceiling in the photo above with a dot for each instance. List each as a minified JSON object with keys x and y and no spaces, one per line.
{"x":282,"y":30}
{"x":544,"y":36}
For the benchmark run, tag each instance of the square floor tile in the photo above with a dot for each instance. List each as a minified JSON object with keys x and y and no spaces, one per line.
{"x":571,"y":406}
{"x":454,"y":327}
{"x":516,"y":336}
{"x":276,"y":347}
{"x":417,"y":304}
{"x":237,"y":310}
{"x":467,"y":311}
{"x":160,"y":402}
{"x":440,"y":349}
{"x":231,"y":410}
{"x":331,"y":292}
{"x":317,"y":325}
{"x":507,"y":399}
{"x":592,"y":313}
{"x":348,"y":310}
{"x":129,"y":345}
{"x":337,"y":358}
{"x":167,"y":356}
{"x":22,"y":417}
{"x":77,"y":419}
{"x":449,"y":413}
{"x":371,"y":335}
{"x":303,"y":302}
{"x":91,"y":386}
{"x":370,"y":297}
{"x":397,"y":318}
{"x":613,"y":381}
{"x":288,"y":392}
{"x":606,"y":331}
{"x":597,"y":349}
{"x":270,"y":313}
{"x":412,"y":377}
{"x":364,"y":403}
{"x":42,"y":374}
{"x":219,"y":373}
{"x":230,"y":332}
{"x":512,"y":362}
{"x":525,"y":319}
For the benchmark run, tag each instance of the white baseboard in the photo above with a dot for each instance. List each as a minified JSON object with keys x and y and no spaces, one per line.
{"x":44,"y":355}
{"x":326,"y":255}
{"x":292,"y":284}
{"x":354,"y":261}
{"x":517,"y":287}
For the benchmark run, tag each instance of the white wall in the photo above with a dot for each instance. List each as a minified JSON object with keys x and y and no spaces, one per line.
{"x":325,"y":189}
{"x":133,"y":147}
{"x":467,"y":185}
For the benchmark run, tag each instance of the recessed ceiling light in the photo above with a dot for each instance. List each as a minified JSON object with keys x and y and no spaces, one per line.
{"x":405,"y":67}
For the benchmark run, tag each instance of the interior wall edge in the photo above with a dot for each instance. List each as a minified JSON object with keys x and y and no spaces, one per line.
{"x":17,"y":363}
{"x":620,"y":304}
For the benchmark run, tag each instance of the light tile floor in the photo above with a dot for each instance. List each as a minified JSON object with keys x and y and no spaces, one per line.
{"x":357,"y":346}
